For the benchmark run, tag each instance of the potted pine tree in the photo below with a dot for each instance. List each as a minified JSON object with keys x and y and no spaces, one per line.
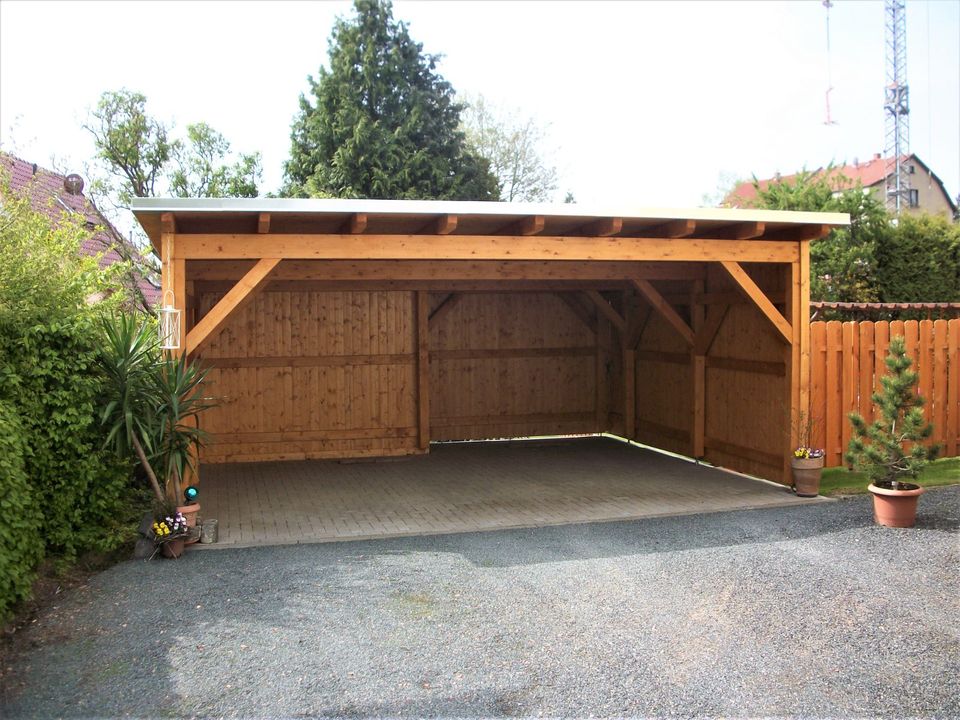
{"x":880,"y":448}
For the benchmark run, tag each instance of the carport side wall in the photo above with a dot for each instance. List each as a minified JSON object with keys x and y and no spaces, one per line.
{"x":746,"y":416}
{"x":309,"y":375}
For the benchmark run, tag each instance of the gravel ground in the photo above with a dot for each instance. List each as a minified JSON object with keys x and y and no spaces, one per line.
{"x":805,"y":611}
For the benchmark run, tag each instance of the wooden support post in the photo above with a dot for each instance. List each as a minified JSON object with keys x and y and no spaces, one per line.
{"x":801,"y":324}
{"x":792,"y":361}
{"x":263,"y":223}
{"x":423,"y":369}
{"x":630,"y":393}
{"x":699,"y":372}
{"x":603,"y":341}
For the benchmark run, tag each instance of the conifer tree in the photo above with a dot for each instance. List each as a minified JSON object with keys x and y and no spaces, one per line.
{"x":878,"y":448}
{"x":382,"y":123}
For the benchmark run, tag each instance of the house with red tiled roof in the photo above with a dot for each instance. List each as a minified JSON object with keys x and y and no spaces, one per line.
{"x":927,"y":193}
{"x":52,"y":194}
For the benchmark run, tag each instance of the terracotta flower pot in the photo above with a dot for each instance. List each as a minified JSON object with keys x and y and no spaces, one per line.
{"x":172,"y":548}
{"x":806,"y":475}
{"x":895,"y":508}
{"x":189,"y":513}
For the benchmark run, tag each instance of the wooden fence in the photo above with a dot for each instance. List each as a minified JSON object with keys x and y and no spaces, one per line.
{"x":847,"y":360}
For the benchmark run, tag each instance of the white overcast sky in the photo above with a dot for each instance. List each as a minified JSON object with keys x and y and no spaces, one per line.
{"x":648,"y":103}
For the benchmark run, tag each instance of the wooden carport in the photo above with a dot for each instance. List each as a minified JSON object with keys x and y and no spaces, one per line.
{"x":358,"y":328}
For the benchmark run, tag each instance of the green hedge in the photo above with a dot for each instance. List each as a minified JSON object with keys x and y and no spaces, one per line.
{"x":61,"y":493}
{"x":21,"y":545}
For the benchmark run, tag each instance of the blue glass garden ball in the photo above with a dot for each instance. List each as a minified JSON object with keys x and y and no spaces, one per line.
{"x":191,"y":494}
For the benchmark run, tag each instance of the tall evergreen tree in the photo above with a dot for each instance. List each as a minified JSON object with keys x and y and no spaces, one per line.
{"x":382,"y":122}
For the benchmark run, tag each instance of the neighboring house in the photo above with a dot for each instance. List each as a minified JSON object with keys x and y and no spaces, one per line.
{"x":927,"y":193}
{"x":52,"y":194}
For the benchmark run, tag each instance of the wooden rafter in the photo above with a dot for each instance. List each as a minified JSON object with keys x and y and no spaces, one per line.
{"x":443,"y":225}
{"x":235,"y":299}
{"x":530,"y":225}
{"x":355,"y":224}
{"x":604,"y":227}
{"x":740,"y":231}
{"x":263,"y":223}
{"x":168,"y":223}
{"x":674,"y":229}
{"x":748,"y":287}
{"x":659,"y":304}
{"x":607,"y":309}
{"x":445,"y":306}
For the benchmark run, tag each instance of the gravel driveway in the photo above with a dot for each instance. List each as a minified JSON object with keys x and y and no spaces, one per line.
{"x":805,"y":611}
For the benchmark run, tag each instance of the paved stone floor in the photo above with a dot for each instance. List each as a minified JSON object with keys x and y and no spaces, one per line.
{"x":467,"y":487}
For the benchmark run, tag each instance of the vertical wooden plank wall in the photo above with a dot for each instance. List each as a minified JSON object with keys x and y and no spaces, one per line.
{"x":307,"y":374}
{"x":848,"y":362}
{"x":508,"y":365}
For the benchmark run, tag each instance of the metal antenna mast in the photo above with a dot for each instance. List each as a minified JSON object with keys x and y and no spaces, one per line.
{"x":897,"y":106}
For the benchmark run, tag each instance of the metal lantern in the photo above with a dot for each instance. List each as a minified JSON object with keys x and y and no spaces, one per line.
{"x":169,"y":325}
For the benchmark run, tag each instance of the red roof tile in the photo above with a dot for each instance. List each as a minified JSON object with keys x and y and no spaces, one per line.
{"x":49,"y":196}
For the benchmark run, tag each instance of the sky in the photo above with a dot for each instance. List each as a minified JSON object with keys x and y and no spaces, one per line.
{"x":646,"y":104}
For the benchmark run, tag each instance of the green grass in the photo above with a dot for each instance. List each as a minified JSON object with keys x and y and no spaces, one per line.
{"x":840,"y":481}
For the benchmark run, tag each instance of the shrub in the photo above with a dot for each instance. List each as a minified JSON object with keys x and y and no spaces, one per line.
{"x":21,"y":546}
{"x":918,"y":260}
{"x":58,"y":481}
{"x":879,"y":448}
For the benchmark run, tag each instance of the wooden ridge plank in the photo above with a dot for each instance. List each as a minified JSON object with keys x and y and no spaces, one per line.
{"x":749,"y":288}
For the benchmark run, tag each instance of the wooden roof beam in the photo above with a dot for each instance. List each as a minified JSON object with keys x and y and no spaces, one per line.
{"x":602,"y":227}
{"x":740,"y":231}
{"x":664,"y":308}
{"x":607,"y":309}
{"x":748,"y":287}
{"x":234,"y":301}
{"x":530,"y":225}
{"x":443,"y":225}
{"x":356,"y":224}
{"x":168,"y":223}
{"x":673,"y":229}
{"x":263,"y":223}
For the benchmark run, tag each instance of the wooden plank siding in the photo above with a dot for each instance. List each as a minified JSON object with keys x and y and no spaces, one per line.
{"x":313,"y":375}
{"x":847,"y":363}
{"x":510,"y":365}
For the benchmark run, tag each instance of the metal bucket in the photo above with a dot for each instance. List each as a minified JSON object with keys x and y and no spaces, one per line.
{"x":208,"y":532}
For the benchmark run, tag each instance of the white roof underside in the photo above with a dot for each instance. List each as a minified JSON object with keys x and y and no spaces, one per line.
{"x":506,"y":211}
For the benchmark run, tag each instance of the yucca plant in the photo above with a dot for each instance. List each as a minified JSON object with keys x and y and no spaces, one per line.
{"x":878,"y":448}
{"x":152,"y":402}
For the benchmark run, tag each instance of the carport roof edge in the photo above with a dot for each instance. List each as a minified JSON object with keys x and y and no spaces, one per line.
{"x":556,"y":218}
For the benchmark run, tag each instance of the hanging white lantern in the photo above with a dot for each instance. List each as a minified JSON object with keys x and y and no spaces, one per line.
{"x":169,"y":325}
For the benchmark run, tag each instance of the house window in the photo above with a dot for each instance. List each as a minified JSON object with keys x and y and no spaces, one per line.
{"x":914,"y":198}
